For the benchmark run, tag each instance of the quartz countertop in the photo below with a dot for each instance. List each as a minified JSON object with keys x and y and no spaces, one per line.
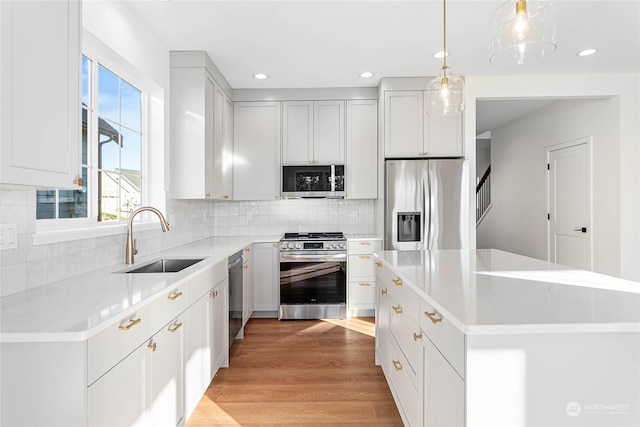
{"x":487,"y":291}
{"x":79,"y":307}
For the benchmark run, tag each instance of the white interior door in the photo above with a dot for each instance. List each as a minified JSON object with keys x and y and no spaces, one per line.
{"x":569,"y":204}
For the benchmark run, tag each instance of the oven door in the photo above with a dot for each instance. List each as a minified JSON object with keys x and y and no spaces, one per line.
{"x":313,"y":286}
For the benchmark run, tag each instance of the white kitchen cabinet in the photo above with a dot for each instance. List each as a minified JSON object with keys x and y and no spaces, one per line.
{"x":362,"y":149}
{"x":361,"y":277}
{"x":220,"y":329}
{"x":247,"y":284}
{"x":256,"y":150}
{"x":266,"y":278}
{"x":40,"y":111}
{"x":201,"y":130}
{"x":382,"y":325}
{"x":313,"y":132}
{"x":409,"y":132}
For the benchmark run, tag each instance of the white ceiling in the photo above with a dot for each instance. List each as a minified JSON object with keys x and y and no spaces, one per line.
{"x":328,"y":43}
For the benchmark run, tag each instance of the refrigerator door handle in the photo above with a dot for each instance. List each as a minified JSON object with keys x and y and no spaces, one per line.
{"x":428,"y":229}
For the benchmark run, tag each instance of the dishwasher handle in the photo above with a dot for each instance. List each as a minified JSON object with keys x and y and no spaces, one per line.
{"x":234,"y":262}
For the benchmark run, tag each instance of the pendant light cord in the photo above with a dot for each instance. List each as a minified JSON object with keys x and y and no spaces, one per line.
{"x":444,"y":33}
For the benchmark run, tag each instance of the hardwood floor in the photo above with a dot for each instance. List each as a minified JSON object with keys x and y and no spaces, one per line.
{"x":300,"y":373}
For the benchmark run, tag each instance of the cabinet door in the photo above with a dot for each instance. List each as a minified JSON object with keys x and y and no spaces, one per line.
{"x":218,"y":144}
{"x":362,"y":149}
{"x":40,"y":86}
{"x":256,"y":148}
{"x":198,"y":351}
{"x":166,"y":399}
{"x":444,"y":136}
{"x":328,"y":132}
{"x":297,"y":132}
{"x":227,"y":149}
{"x":443,"y":390}
{"x":266,"y":276}
{"x":247,"y":285}
{"x":119,"y":397}
{"x":220,"y":326}
{"x":404,"y":123}
{"x":382,"y":326}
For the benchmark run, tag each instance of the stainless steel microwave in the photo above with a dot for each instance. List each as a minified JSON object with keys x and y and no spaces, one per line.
{"x":317,"y":181}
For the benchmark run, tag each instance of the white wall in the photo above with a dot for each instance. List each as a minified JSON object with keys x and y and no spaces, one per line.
{"x":517,"y":221}
{"x":625,"y":89}
{"x":483,"y":157}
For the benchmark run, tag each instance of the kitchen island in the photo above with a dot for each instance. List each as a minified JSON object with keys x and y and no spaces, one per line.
{"x":489,"y":338}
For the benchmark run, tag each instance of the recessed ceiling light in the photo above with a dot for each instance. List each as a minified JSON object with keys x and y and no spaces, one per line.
{"x":260,"y":76}
{"x":587,"y":52}
{"x":440,"y":55}
{"x":366,"y":74}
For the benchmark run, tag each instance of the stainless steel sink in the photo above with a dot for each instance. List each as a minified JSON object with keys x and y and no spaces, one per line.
{"x":165,"y":266}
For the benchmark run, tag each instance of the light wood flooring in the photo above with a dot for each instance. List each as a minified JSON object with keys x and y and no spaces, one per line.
{"x":300,"y":373}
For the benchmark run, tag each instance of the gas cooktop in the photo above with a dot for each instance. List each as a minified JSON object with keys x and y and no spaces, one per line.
{"x":331,"y":241}
{"x":314,"y":236}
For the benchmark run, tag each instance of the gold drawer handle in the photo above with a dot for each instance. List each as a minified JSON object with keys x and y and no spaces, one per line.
{"x":131,"y":324}
{"x":365,"y":257}
{"x":213,"y":294}
{"x":378,"y":264}
{"x":432,"y":317}
{"x":383,"y":292}
{"x":246,"y":267}
{"x":174,"y":296}
{"x":397,"y":282}
{"x":177,"y":326}
{"x":417,"y":337}
{"x":397,"y":309}
{"x":247,"y":249}
{"x":365,"y":284}
{"x":152,"y":347}
{"x":365,"y":243}
{"x":397,"y":365}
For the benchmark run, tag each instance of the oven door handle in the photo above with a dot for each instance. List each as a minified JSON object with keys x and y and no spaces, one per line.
{"x":303,"y":258}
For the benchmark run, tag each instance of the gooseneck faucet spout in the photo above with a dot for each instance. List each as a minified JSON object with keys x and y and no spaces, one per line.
{"x":130,"y":250}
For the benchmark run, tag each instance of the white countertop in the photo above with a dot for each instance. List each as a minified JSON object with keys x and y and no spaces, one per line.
{"x":487,"y":291}
{"x":81,"y":306}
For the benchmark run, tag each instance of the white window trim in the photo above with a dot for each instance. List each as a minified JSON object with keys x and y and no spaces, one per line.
{"x":68,"y":229}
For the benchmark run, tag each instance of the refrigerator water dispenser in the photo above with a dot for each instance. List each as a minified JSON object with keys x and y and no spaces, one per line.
{"x":409,"y":227}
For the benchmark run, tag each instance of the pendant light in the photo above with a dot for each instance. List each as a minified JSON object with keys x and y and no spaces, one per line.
{"x":522,"y":31}
{"x":446,"y":92}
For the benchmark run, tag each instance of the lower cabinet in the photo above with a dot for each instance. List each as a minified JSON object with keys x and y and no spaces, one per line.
{"x":266,"y":279}
{"x":361,"y":287}
{"x":247,"y":284}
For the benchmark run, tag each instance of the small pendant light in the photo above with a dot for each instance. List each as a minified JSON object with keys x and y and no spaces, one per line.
{"x":446,"y":92}
{"x":522,"y":31}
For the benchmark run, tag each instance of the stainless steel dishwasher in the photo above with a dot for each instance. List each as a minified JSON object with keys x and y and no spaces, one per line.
{"x":235,"y":296}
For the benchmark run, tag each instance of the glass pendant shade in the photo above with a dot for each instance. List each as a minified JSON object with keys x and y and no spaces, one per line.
{"x":445,"y":94}
{"x":521,"y":32}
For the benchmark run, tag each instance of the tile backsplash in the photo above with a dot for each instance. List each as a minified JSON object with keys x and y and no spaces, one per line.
{"x":29,"y":266}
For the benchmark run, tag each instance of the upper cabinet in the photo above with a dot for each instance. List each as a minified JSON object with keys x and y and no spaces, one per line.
{"x":313,"y":132}
{"x":256,"y":150}
{"x":362,"y":151}
{"x":41,"y":93}
{"x":410,"y":133}
{"x":201,"y":130}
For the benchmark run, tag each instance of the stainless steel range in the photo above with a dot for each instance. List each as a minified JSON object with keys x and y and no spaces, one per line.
{"x":313,"y":276}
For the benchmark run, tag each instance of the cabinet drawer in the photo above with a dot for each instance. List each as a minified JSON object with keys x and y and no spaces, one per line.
{"x":362,"y":294}
{"x":362,"y":267}
{"x":200,"y":284}
{"x":409,"y":338}
{"x":168,"y":306}
{"x":410,"y":399}
{"x":113,"y":344}
{"x":448,"y":339}
{"x":401,"y":292}
{"x":364,"y":248}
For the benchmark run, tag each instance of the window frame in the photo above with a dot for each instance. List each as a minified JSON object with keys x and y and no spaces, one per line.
{"x":65,"y":229}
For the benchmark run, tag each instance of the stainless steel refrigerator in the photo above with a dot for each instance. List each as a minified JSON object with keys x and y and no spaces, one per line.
{"x":426,"y":204}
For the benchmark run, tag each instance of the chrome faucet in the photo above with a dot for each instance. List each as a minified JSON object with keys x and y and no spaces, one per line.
{"x":130,"y":249}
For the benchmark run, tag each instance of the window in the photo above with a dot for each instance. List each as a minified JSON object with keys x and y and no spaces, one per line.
{"x":111,"y":152}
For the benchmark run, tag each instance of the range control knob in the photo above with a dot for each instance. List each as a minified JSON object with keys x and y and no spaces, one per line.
{"x":298,"y":245}
{"x":342,"y":246}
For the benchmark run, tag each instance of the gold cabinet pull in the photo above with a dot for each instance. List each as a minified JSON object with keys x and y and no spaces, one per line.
{"x":131,"y":324}
{"x":383,"y":292}
{"x":417,"y":337}
{"x":78,"y":182}
{"x":397,"y":309}
{"x":213,"y":294}
{"x":247,"y":249}
{"x":174,"y":296}
{"x":433,"y":317}
{"x":365,"y":257}
{"x":275,"y":245}
{"x":397,"y":282}
{"x":177,"y":326}
{"x":152,"y":346}
{"x":225,"y":197}
{"x":397,"y":365}
{"x":365,"y":243}
{"x":246,"y":267}
{"x":365,"y":284}
{"x":378,"y":264}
